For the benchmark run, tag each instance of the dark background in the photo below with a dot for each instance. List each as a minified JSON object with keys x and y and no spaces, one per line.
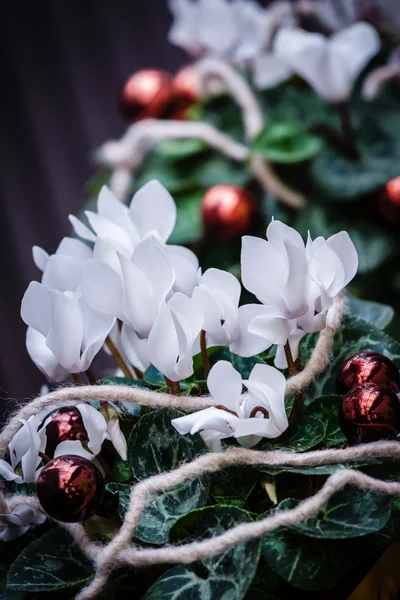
{"x":62,"y":64}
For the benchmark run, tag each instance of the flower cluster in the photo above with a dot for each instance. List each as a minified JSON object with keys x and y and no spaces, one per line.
{"x":123,"y":288}
{"x":270,"y":43}
{"x":30,"y":444}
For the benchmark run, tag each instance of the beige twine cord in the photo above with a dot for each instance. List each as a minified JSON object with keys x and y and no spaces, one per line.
{"x":120,"y":552}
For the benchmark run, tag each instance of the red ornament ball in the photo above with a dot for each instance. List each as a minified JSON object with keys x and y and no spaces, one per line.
{"x":370,"y":412}
{"x":368,"y":367}
{"x":186,"y":89}
{"x":146,"y":94}
{"x":66,"y":424}
{"x":227,"y":211}
{"x":389,"y":200}
{"x":70,"y":488}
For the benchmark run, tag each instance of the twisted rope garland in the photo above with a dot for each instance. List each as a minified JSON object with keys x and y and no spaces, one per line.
{"x":120,"y":552}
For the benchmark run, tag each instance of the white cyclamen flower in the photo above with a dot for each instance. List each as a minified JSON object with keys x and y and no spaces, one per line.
{"x":43,"y":357}
{"x":296,"y":284}
{"x":16,"y":523}
{"x":73,"y":332}
{"x":197,"y":26}
{"x":171,"y":342}
{"x":61,"y":271}
{"x":31,"y":439}
{"x":24,"y":451}
{"x":136,"y":292}
{"x":330,"y":65}
{"x":249,"y":417}
{"x":217,"y":298}
{"x":117,"y":228}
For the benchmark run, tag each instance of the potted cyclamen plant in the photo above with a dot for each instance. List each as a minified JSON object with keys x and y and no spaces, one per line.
{"x":238,"y":450}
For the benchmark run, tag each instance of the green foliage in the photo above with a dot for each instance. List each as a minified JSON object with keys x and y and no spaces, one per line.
{"x":189,"y":225}
{"x":233,"y":485}
{"x":155,"y":446}
{"x":282,"y":142}
{"x":51,"y":563}
{"x":376,"y":313}
{"x":162,"y":511}
{"x":227,"y":575}
{"x":313,"y":563}
{"x":351,"y":512}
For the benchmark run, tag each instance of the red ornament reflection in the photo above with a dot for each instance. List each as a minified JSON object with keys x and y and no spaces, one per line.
{"x":368,"y":367}
{"x":69,"y":488}
{"x":227,"y":211}
{"x":370,"y":412}
{"x":146,"y":94}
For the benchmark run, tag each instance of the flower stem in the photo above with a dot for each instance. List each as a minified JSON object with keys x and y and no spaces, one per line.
{"x":203,"y":350}
{"x":138,"y":372}
{"x":90,"y":376}
{"x":77,"y":379}
{"x":173,"y":386}
{"x":118,"y":358}
{"x":46,"y":459}
{"x":291,"y":363}
{"x":294,"y":368}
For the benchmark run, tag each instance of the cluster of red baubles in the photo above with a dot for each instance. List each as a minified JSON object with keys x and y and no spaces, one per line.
{"x":371,"y":408}
{"x":155,"y":94}
{"x":69,"y":488}
{"x":227,"y":210}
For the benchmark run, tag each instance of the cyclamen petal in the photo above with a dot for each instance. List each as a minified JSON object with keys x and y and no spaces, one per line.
{"x":260,"y":414}
{"x":330,"y":66}
{"x":153,"y":210}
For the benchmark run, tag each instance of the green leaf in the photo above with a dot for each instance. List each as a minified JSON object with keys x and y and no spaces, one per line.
{"x":162,"y":511}
{"x":351,"y":512}
{"x":356,"y":335}
{"x":220,"y":170}
{"x":51,"y":563}
{"x":154,"y":377}
{"x":122,"y":470}
{"x":308,"y":432}
{"x":326,"y":409}
{"x":227,"y":575}
{"x":264,"y":584}
{"x":233,"y":485}
{"x":312,"y":563}
{"x":180,"y":149}
{"x":189,"y":224}
{"x":283,"y":142}
{"x":155,"y":446}
{"x":376,"y":313}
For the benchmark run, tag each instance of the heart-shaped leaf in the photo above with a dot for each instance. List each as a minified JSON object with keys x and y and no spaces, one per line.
{"x":154,"y":445}
{"x":283,"y":142}
{"x":227,"y":575}
{"x":51,"y":563}
{"x":163,"y":510}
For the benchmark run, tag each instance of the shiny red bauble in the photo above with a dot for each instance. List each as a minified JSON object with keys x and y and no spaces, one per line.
{"x":146,"y":94}
{"x":389,"y":201}
{"x":227,"y":211}
{"x":368,"y":367}
{"x":370,"y":412}
{"x":70,"y":488}
{"x":186,"y":90}
{"x":66,"y":424}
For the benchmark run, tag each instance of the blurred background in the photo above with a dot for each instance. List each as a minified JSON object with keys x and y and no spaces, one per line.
{"x":63,"y":65}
